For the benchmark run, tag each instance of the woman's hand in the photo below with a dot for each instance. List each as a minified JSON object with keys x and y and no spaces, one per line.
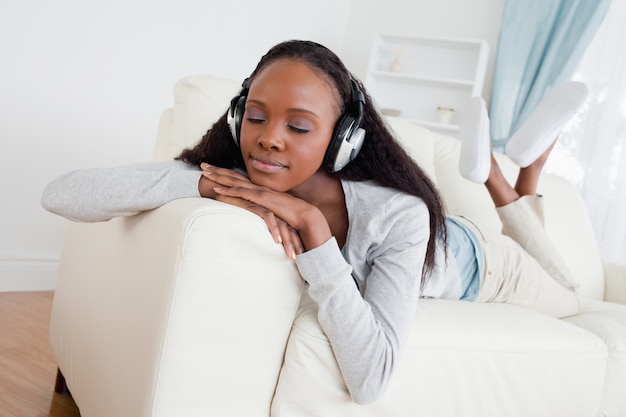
{"x":281,"y":232}
{"x":288,"y":217}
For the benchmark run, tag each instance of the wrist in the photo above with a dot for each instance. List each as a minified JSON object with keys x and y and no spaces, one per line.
{"x":315,"y":230}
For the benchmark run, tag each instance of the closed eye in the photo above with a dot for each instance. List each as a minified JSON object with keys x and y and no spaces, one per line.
{"x":299,"y":130}
{"x":255,"y":120}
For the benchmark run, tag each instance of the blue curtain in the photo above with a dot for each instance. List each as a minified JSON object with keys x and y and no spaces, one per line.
{"x":541,"y":43}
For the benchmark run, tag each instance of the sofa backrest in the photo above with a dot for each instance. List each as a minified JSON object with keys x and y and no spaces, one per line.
{"x":199,"y":100}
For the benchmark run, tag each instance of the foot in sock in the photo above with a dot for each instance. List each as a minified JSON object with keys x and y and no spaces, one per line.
{"x":545,"y":122}
{"x":475,"y":160}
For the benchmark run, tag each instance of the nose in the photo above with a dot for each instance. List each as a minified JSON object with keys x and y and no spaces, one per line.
{"x":271,"y":137}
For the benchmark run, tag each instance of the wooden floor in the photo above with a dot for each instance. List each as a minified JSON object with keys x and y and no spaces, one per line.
{"x":27,"y":366}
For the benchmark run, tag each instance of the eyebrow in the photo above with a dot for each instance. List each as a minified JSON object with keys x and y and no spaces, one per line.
{"x":290,"y":110}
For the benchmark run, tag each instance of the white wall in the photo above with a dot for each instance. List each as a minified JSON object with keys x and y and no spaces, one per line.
{"x":83,"y":83}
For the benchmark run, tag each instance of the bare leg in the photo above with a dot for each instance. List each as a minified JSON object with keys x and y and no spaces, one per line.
{"x":528,"y":177}
{"x":502,"y":193}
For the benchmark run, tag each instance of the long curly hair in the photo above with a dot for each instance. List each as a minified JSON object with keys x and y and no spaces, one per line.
{"x":381,"y":159}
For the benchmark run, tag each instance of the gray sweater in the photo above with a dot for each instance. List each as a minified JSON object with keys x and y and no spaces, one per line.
{"x":366,"y":296}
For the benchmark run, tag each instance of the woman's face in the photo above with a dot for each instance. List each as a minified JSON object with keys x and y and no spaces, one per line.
{"x":290,"y":114}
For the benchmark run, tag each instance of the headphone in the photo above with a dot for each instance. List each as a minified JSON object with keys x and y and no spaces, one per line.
{"x":348,"y":135}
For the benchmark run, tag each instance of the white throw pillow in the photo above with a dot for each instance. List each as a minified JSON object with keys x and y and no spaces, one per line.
{"x":199,"y":101}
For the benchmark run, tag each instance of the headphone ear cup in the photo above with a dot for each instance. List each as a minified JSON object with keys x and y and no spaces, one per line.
{"x":235,"y":116}
{"x":345,"y":144}
{"x":348,"y":135}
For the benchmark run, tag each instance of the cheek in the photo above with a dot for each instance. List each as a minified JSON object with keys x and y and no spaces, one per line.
{"x":316,"y":153}
{"x":247,"y":141}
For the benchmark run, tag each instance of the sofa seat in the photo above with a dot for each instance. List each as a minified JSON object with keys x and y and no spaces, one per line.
{"x":496,"y":358}
{"x":608,"y":322}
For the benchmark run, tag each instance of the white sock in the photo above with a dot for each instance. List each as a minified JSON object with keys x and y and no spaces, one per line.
{"x":545,"y":122}
{"x":475,"y":160}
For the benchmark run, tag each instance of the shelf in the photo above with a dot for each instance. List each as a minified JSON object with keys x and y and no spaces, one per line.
{"x":417,"y":75}
{"x":417,"y":79}
{"x":437,"y":126}
{"x":444,"y":129}
{"x":439,"y":42}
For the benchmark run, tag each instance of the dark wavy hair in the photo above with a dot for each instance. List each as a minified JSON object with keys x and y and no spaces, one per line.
{"x":381,"y":159}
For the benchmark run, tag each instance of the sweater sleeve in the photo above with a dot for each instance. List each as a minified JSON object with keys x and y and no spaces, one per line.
{"x":92,"y":195}
{"x":369,"y":327}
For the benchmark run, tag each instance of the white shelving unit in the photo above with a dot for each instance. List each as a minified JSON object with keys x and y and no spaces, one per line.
{"x":420,"y":78}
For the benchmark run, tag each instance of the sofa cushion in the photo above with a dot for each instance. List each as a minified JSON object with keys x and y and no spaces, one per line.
{"x":418,"y":141}
{"x":462,"y":358}
{"x":199,"y":100}
{"x":608,"y":322}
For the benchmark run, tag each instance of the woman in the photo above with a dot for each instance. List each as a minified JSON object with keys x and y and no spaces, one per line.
{"x":303,"y":147}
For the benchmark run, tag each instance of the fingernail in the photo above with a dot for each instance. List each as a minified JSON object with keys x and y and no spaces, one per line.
{"x":205,"y":165}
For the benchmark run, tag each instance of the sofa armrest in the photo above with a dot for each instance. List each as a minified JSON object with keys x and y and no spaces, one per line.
{"x":174,"y":311}
{"x":615,"y":283}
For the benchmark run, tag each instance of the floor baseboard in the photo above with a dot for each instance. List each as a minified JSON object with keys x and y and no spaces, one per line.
{"x":28,"y":275}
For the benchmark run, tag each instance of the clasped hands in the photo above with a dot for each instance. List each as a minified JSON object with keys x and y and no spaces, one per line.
{"x":292,"y":222}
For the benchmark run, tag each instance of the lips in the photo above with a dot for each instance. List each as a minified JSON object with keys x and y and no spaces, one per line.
{"x":266,"y":164}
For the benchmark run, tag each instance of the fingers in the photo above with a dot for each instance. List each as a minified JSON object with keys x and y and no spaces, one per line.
{"x":276,"y":209}
{"x":281,"y":232}
{"x":224,"y":176}
{"x":270,"y":219}
{"x":252,"y":193}
{"x":276,"y":203}
{"x":291,"y":240}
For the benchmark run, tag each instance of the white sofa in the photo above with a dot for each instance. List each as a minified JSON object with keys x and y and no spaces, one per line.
{"x":192,"y":310}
